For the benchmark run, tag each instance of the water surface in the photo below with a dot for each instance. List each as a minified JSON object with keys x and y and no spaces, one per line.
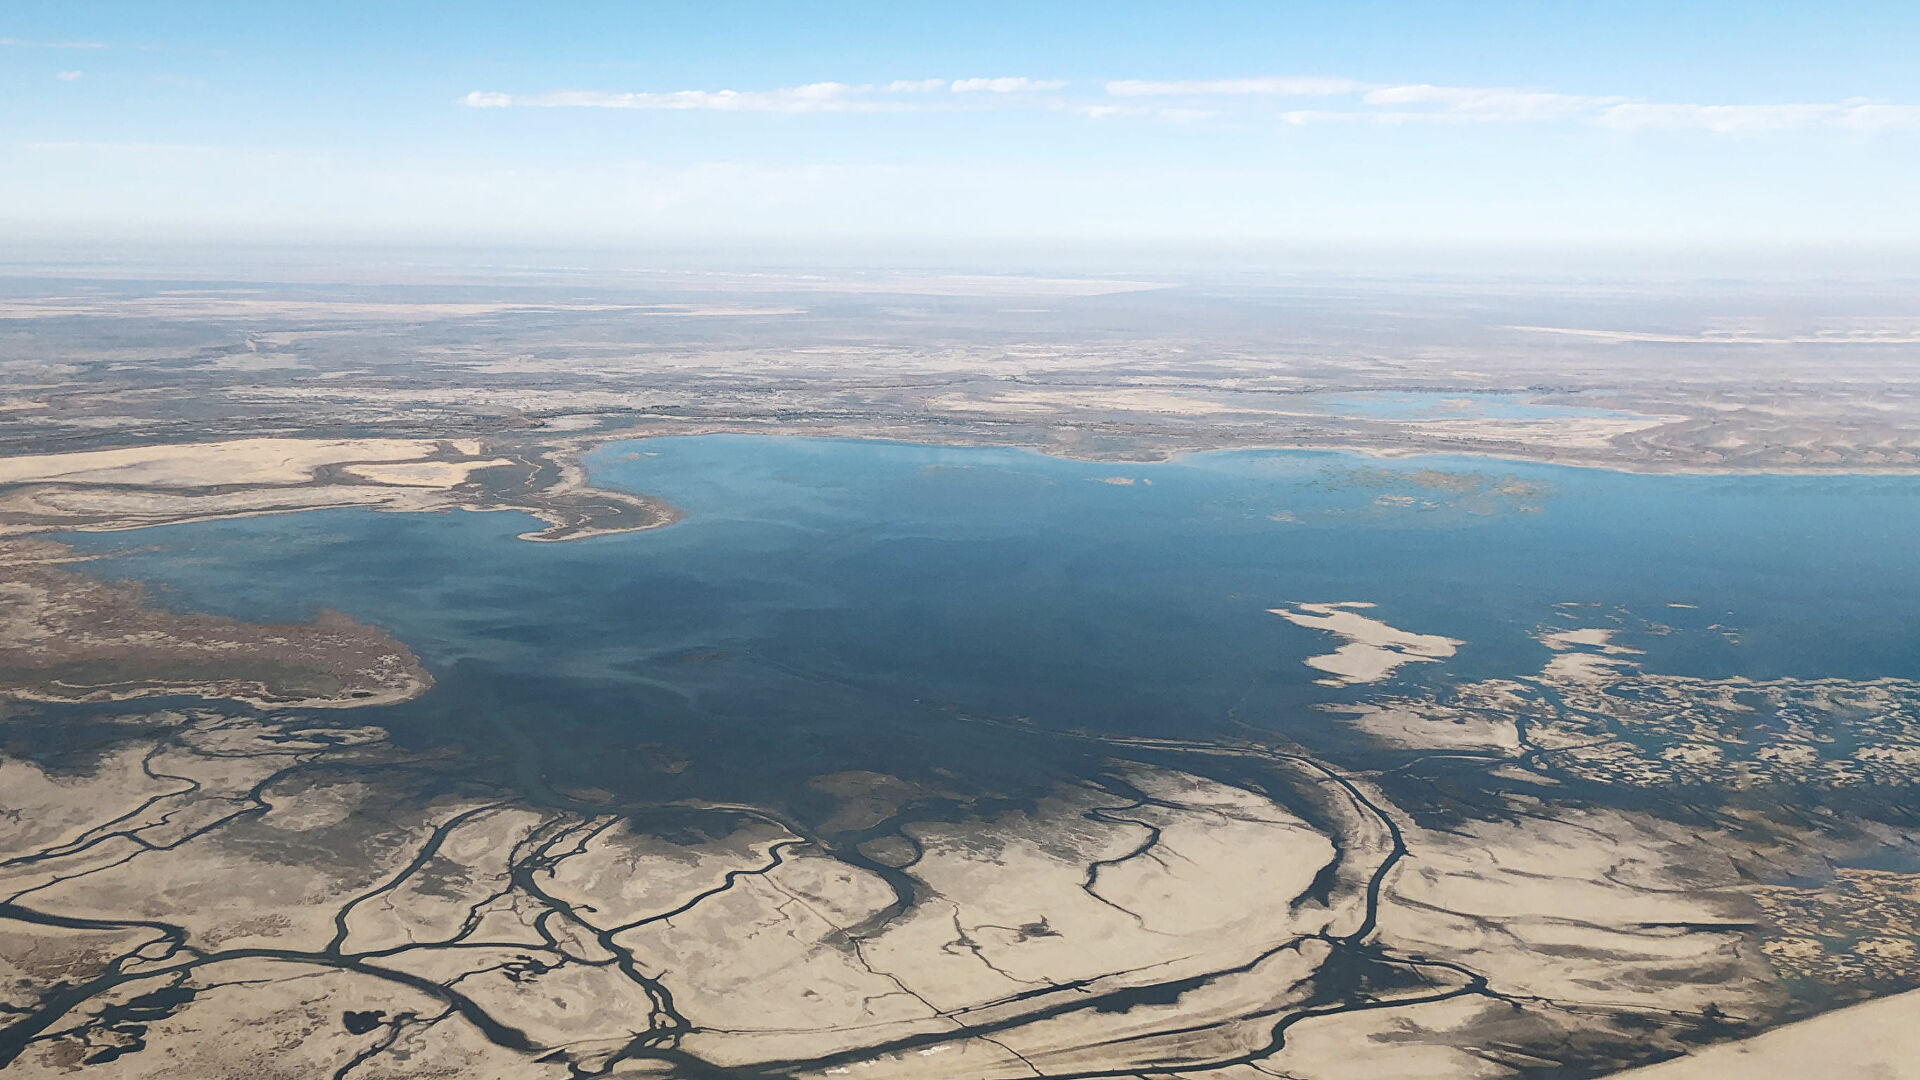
{"x":835,"y":604}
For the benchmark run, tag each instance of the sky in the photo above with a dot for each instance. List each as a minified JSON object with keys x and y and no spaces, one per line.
{"x":1730,"y":126}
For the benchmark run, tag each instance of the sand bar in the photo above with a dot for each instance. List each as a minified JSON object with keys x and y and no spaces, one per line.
{"x":1372,"y":650}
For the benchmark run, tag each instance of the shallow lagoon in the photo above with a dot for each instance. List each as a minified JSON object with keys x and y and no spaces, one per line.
{"x":839,"y":604}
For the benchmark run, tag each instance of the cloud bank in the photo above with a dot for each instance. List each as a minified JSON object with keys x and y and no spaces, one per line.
{"x":901,"y":95}
{"x":1242,"y":100}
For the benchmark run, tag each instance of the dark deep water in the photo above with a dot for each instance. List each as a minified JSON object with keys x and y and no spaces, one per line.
{"x":838,"y":604}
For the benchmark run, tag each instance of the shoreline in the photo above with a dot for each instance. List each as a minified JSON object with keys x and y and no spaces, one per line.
{"x":779,"y":429}
{"x":558,"y":491}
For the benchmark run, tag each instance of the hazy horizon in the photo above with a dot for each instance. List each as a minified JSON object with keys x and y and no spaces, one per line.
{"x":1713,"y":127}
{"x":370,"y":262}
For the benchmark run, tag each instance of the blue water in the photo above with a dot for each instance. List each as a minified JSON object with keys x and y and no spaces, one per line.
{"x":835,"y":601}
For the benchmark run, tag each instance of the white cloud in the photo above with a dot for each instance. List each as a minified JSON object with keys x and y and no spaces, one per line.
{"x":1301,"y":117}
{"x":1879,"y":117}
{"x":1426,"y":103}
{"x":1489,"y":103}
{"x":1758,"y":119}
{"x":1350,"y":101}
{"x":1178,"y":115}
{"x":812,"y":97}
{"x":896,"y":96}
{"x":67,"y":76}
{"x":1006,"y":85}
{"x":1277,"y":85}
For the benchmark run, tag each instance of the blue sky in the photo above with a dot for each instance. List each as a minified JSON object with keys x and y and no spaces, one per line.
{"x":1554,"y":126}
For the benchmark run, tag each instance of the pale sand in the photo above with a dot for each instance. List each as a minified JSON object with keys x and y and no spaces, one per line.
{"x":1557,"y":432}
{"x":1591,"y":637}
{"x":772,"y":947}
{"x":137,"y":487}
{"x":1560,"y":432}
{"x":1125,"y":399}
{"x":1879,"y":1040}
{"x":427,"y":474}
{"x":1586,"y":668}
{"x":788,"y":961}
{"x":115,"y":509}
{"x":1373,"y":649}
{"x":1420,"y":730}
{"x":238,"y":461}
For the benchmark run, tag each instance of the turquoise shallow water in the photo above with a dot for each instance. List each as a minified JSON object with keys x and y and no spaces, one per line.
{"x":834,"y":603}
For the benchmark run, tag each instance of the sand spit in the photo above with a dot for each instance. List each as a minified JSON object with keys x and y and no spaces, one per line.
{"x":1373,"y":649}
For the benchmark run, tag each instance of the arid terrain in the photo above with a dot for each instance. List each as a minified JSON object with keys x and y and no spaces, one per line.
{"x":1642,"y":377}
{"x":212,"y":866}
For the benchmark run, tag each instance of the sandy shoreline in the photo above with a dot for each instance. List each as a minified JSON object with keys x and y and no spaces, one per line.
{"x":1148,"y":457}
{"x":171,"y":483}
